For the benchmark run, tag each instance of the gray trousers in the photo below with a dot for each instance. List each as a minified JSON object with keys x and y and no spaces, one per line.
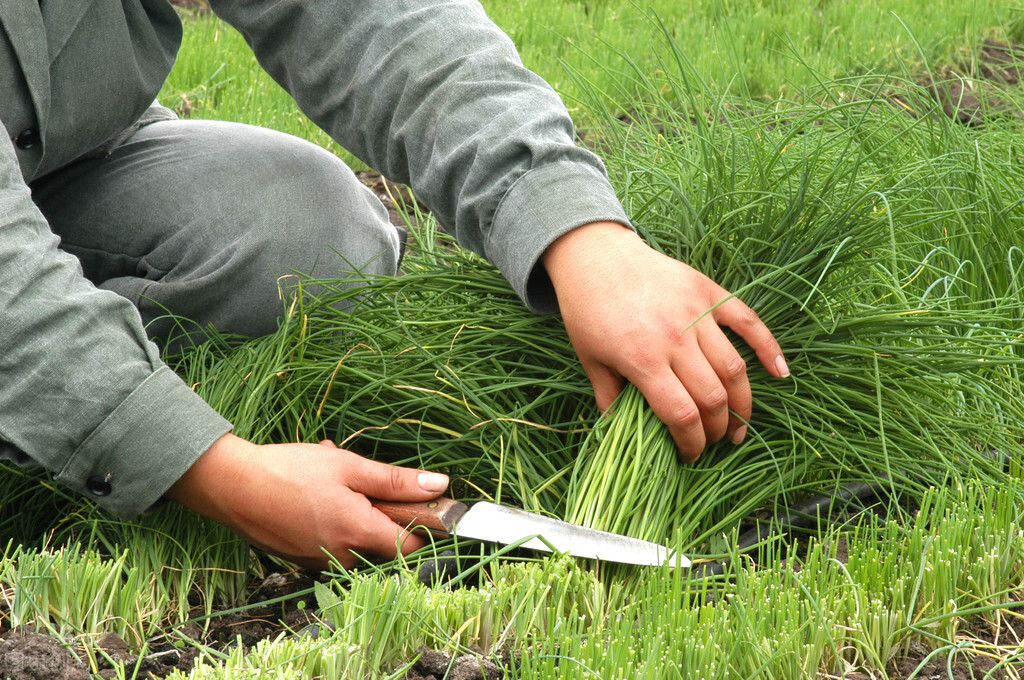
{"x":208,"y":220}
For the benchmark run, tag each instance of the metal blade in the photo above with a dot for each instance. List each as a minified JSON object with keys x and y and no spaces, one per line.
{"x":500,"y":524}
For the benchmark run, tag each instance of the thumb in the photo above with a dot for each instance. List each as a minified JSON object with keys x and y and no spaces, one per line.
{"x":607,"y":385}
{"x":392,"y":482}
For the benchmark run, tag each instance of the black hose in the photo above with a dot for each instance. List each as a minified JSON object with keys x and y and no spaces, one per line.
{"x":800,"y":516}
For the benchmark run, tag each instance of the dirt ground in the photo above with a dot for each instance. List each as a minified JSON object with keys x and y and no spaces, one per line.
{"x":199,"y":5}
{"x":34,"y":655}
{"x":31,"y":655}
{"x":978,"y":658}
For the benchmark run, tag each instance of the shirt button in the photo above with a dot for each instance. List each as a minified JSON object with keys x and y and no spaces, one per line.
{"x":27,"y":138}
{"x":98,"y":486}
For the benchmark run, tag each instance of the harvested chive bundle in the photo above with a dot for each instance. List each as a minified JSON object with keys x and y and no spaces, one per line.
{"x":900,"y":317}
{"x":864,"y":401}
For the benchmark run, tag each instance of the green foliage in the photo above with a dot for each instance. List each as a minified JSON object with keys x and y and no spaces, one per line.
{"x":71,"y":591}
{"x":855,"y":602}
{"x":281,"y":658}
{"x":858,"y":233}
{"x":388,"y":616}
{"x":760,"y":51}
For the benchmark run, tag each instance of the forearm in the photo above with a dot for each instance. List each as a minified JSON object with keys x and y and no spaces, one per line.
{"x":82,"y":390}
{"x":434,"y":94}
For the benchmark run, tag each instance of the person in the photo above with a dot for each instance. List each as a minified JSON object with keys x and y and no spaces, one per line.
{"x":114,"y":213}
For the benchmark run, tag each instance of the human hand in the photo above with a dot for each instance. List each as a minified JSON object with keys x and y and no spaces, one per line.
{"x":635,"y":314}
{"x":297,"y":500}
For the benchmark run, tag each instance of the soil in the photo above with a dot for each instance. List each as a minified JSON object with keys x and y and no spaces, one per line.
{"x":192,"y":5}
{"x":980,"y":657}
{"x":959,"y":667}
{"x":973,"y":92}
{"x":37,"y":655}
{"x":433,"y":664}
{"x":31,"y":654}
{"x":401,"y":205}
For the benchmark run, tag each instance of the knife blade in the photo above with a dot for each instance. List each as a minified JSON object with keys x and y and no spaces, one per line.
{"x":494,"y":523}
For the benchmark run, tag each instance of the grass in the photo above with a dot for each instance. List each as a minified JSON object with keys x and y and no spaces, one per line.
{"x":765,"y":144}
{"x":901,"y":583}
{"x":760,"y":51}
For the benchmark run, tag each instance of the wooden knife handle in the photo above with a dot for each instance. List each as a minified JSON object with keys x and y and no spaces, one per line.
{"x":438,"y":516}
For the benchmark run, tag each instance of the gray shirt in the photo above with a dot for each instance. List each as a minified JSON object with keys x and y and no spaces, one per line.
{"x":430,"y":93}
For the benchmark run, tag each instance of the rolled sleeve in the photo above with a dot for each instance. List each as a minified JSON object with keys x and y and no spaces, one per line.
{"x":541,"y":206}
{"x":83,"y":391}
{"x":433,"y":93}
{"x":146,"y":443}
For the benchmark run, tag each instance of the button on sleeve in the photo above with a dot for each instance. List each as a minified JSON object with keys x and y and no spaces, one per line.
{"x":99,"y":486}
{"x":27,"y":138}
{"x":83,"y":391}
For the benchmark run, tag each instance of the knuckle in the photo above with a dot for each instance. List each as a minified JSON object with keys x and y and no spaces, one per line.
{"x":397,"y":478}
{"x":643,"y":360}
{"x":745,"y":320}
{"x":676,"y":327}
{"x":735,"y":368}
{"x":686,"y":415}
{"x":716,"y":400}
{"x":748,"y":317}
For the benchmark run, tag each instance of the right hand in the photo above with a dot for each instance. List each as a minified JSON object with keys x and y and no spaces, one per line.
{"x":298,"y":500}
{"x":635,"y":314}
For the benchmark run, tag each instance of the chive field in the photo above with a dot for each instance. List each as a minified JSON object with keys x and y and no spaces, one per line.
{"x":824,"y":162}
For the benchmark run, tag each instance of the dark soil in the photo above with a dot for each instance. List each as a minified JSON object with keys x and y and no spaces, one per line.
{"x":433,"y":664}
{"x":397,"y":198}
{"x":974,"y":92}
{"x":958,"y":666}
{"x":30,"y":655}
{"x":35,"y":655}
{"x":982,"y":658}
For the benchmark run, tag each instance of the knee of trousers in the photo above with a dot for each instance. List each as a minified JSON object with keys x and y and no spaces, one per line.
{"x":310,"y":220}
{"x":325,"y":225}
{"x":207,"y":220}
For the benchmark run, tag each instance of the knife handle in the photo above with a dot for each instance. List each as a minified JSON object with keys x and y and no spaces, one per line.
{"x":438,"y":516}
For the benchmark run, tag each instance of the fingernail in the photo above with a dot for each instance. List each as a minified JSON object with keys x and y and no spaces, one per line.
{"x":739,"y":434}
{"x":781,"y":367}
{"x":432,"y":481}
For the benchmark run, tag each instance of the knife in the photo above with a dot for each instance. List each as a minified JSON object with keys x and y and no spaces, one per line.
{"x":501,"y":524}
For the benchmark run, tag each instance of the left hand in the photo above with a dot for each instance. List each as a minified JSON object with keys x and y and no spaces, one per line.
{"x":635,"y":314}
{"x":305,"y":501}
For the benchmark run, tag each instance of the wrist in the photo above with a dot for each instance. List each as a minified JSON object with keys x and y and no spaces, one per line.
{"x":585,"y":245}
{"x":209,"y":483}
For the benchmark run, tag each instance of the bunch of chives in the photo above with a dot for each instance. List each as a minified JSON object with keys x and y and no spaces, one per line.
{"x":824,"y":219}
